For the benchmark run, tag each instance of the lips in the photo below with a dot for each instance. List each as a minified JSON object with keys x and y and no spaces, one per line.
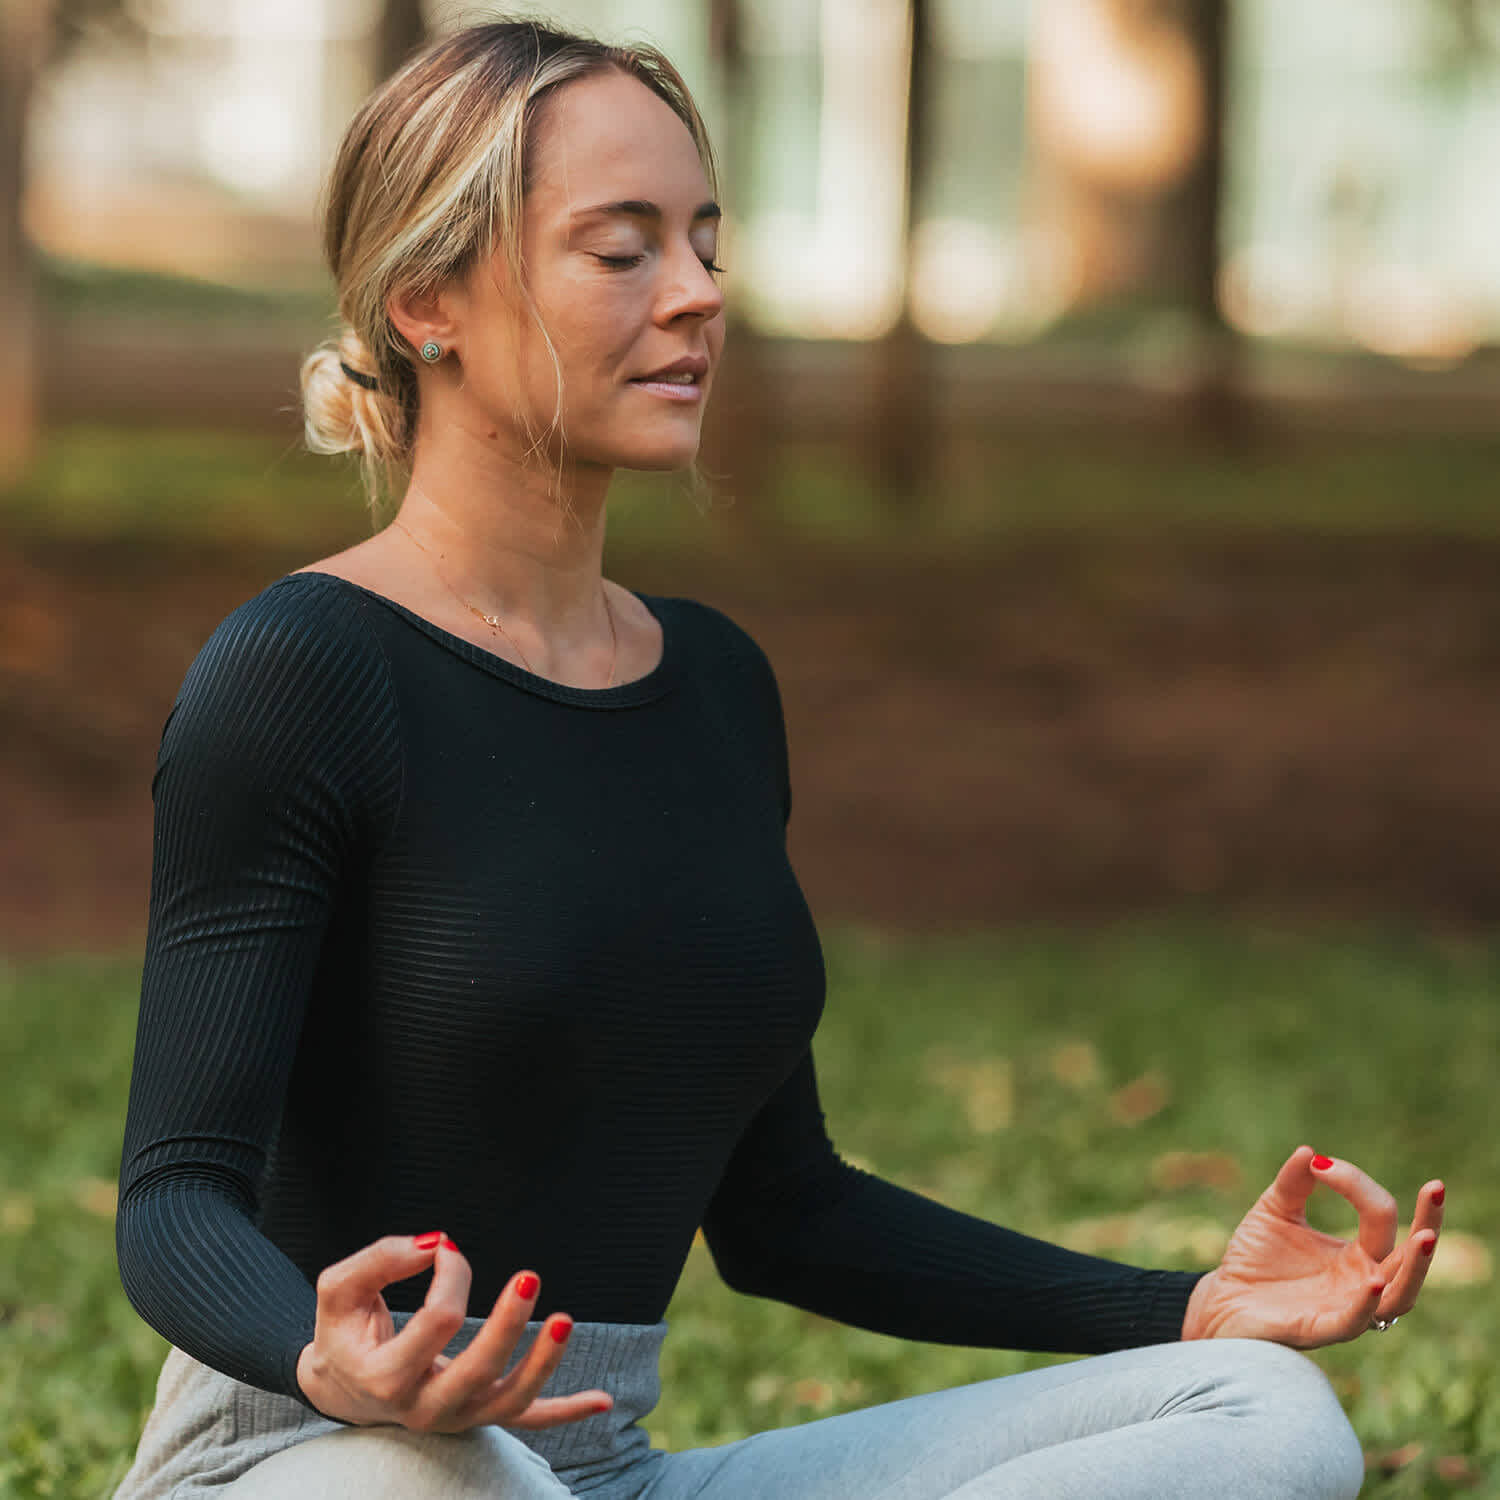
{"x":689,"y":370}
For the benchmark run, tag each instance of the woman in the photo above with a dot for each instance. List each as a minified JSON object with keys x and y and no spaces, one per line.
{"x":474,"y":949}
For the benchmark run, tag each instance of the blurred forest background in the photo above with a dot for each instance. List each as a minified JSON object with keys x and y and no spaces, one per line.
{"x":1106,"y":457}
{"x":1104,"y":452}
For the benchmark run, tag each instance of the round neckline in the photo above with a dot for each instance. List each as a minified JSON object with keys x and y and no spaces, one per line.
{"x":622,"y":695}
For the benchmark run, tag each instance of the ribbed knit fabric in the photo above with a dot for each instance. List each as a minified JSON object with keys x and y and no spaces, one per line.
{"x":205,"y":1430}
{"x":436,"y":943}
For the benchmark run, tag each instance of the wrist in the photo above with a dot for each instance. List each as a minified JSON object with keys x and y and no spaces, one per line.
{"x":309,"y":1375}
{"x":1195,"y":1320}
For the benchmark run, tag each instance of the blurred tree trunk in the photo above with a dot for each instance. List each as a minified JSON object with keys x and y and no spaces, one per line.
{"x":401,"y":30}
{"x":1116,"y":104}
{"x":1128,"y":104}
{"x":903,"y":440}
{"x":25,"y":30}
{"x":737,"y":437}
{"x":1195,"y":214}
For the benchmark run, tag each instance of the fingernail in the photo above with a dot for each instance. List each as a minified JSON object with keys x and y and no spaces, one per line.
{"x":1429,"y":1247}
{"x":1322,"y":1163}
{"x":603,"y":1406}
{"x":448,"y":1244}
{"x":1438,"y":1194}
{"x":560,"y":1330}
{"x":428,"y":1241}
{"x":526,"y":1287}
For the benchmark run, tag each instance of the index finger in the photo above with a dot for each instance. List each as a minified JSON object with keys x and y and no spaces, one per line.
{"x":349,"y":1285}
{"x":1378,"y":1219}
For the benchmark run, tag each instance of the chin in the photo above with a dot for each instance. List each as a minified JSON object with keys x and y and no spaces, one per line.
{"x":668,"y":453}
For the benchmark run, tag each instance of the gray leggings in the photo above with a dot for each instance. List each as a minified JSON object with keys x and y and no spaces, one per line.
{"x":1228,"y":1418}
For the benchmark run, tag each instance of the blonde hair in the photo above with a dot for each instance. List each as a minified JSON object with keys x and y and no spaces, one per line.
{"x":431,"y":177}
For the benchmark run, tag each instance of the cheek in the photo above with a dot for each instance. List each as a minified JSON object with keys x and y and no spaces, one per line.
{"x":587,"y":318}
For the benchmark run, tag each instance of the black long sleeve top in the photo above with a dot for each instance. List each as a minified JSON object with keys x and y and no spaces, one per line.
{"x":437,"y":943}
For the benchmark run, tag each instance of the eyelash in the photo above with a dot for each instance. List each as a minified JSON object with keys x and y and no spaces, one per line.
{"x":625,"y":262}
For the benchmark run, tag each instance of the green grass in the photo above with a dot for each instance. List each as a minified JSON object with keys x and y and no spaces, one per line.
{"x":985,"y":1071}
{"x":102,"y":482}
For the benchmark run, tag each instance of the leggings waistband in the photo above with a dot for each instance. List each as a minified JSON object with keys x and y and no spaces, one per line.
{"x":620,"y":1358}
{"x":207,"y":1428}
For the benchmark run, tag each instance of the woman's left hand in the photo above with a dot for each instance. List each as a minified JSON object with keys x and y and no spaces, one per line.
{"x":1283,"y":1280}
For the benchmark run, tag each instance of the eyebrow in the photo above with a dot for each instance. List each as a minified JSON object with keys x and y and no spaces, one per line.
{"x":641,"y":208}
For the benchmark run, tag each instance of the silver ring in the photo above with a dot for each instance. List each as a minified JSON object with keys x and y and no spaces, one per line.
{"x":1381,"y":1324}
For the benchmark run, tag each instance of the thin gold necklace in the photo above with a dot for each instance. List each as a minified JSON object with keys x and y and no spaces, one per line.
{"x":493,"y":621}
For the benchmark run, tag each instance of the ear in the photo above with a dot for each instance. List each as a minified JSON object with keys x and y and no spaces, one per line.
{"x":418,"y":317}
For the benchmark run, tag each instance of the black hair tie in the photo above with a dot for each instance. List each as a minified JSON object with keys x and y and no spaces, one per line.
{"x":360,"y":378}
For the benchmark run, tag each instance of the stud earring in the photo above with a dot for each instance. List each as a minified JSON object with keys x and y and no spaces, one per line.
{"x":432,"y":351}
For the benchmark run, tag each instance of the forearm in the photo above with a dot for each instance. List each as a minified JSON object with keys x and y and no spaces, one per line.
{"x":880,"y":1257}
{"x":198,"y":1271}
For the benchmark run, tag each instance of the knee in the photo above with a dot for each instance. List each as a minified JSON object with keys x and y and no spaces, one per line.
{"x":1292,"y":1396}
{"x":372,"y":1463}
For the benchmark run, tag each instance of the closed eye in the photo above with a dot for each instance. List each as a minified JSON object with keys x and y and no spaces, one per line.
{"x":625,"y":262}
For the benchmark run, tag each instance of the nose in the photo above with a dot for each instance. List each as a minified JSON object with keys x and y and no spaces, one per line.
{"x":689,"y":290}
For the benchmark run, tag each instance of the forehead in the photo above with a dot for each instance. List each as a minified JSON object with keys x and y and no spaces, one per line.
{"x":608,"y":137}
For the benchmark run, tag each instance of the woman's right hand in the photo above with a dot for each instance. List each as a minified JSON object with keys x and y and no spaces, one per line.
{"x":358,"y":1369}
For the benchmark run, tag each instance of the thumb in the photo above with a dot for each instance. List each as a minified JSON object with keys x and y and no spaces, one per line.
{"x":1293,"y":1185}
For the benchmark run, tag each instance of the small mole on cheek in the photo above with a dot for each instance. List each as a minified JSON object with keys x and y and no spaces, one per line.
{"x":492,"y":433}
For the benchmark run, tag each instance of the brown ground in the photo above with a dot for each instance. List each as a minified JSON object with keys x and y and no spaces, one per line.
{"x":1074,"y":729}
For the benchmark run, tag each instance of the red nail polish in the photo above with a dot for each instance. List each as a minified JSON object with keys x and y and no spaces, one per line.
{"x":448,"y":1244}
{"x":1429,"y":1247}
{"x":527,"y":1287}
{"x":560,"y":1330}
{"x":603,"y":1406}
{"x":428,"y":1241}
{"x":1438,"y":1194}
{"x":1322,"y":1163}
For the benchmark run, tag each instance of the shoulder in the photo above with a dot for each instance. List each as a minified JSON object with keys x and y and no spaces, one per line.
{"x":284,"y":729}
{"x":732,"y":672}
{"x":300,"y":654}
{"x":709,"y":631}
{"x":303,"y":626}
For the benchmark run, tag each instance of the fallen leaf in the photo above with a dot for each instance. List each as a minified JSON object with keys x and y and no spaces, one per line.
{"x":1395,"y":1459}
{"x":44,"y":1318}
{"x":817,"y":1394}
{"x":1173,"y":1171}
{"x":94,"y":1195}
{"x":1075,"y":1064}
{"x":1454,"y":1468}
{"x":1199,"y":1239}
{"x":984,"y":1088}
{"x":1096,"y":1236}
{"x":1138,"y":1100}
{"x":17,"y":1213}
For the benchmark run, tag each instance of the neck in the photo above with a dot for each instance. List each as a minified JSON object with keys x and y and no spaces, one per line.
{"x":513,"y":539}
